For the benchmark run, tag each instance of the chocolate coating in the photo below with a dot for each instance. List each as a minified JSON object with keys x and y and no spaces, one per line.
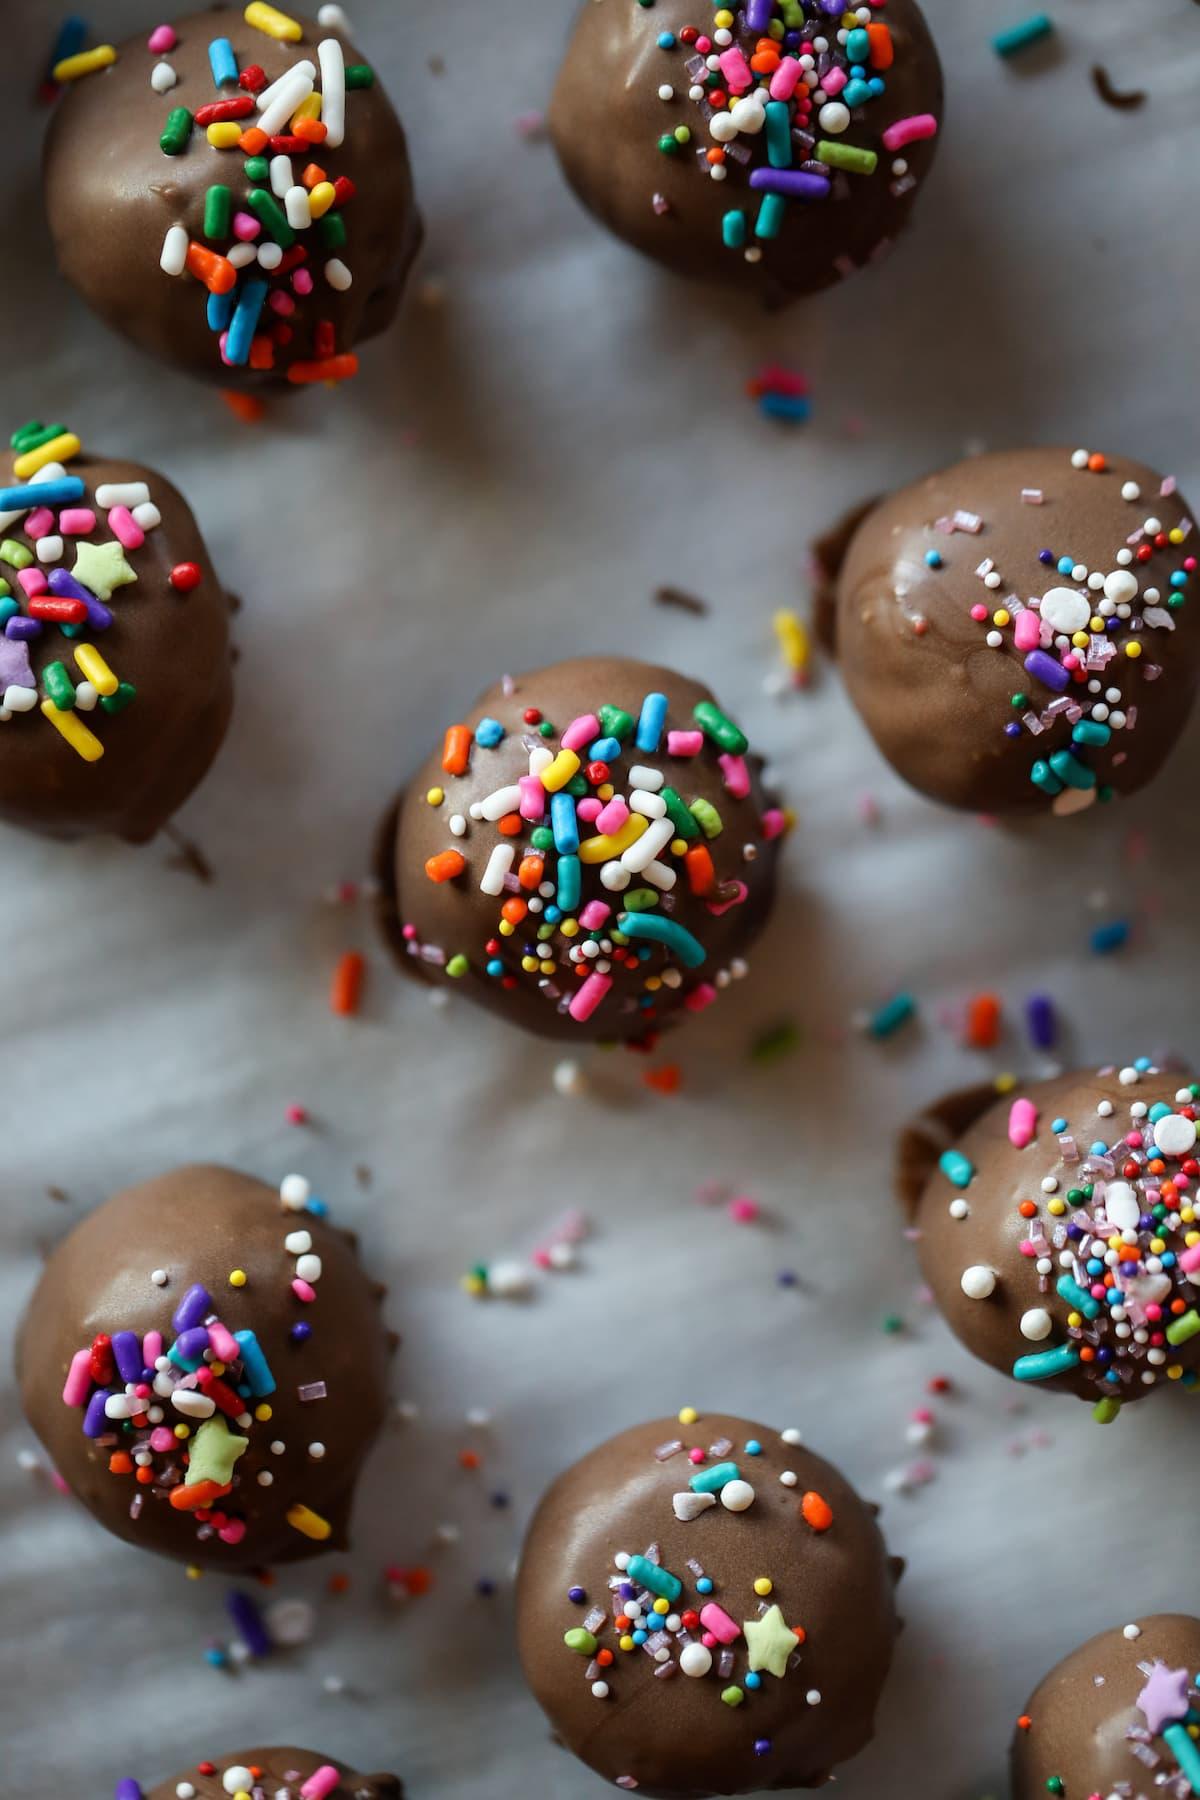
{"x":171,"y":646}
{"x":676,"y":1736}
{"x":606,"y":120}
{"x":1025,"y":1314}
{"x":199,"y":1224}
{"x":103,"y":162}
{"x":286,"y":1769}
{"x":453,"y":917}
{"x":939,"y":701}
{"x":1081,"y":1715}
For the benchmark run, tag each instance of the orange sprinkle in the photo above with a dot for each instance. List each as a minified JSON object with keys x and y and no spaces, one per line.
{"x":604,"y":1658}
{"x":1097,"y":463}
{"x":262,"y":352}
{"x":469,"y":1459}
{"x":514,"y":909}
{"x":145,"y":1476}
{"x":418,"y":1581}
{"x":310,"y":131}
{"x":249,"y":408}
{"x":816,"y":1512}
{"x":253,"y":141}
{"x":314,"y":175}
{"x":198,"y":1495}
{"x":882,"y":52}
{"x":511,"y":825}
{"x":531,"y":870}
{"x":216,"y":272}
{"x":622,"y":1622}
{"x":983,"y":1021}
{"x":346,"y":986}
{"x":700,"y":872}
{"x":330,"y":368}
{"x":120,"y":1463}
{"x":338,"y":1584}
{"x":1087,"y":1354}
{"x":799,"y":1633}
{"x":1027,"y":1209}
{"x":1024,"y":1722}
{"x":456,"y":749}
{"x":447,"y":865}
{"x":665,"y":1080}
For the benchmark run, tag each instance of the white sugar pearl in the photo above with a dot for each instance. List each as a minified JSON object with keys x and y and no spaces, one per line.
{"x":1131,"y":491}
{"x":1129,"y":1077}
{"x":958,"y":1209}
{"x":995,"y":640}
{"x":600,"y":1690}
{"x":1099,"y":712}
{"x":1065,"y":610}
{"x":1036,"y":1324}
{"x":1153,"y":527}
{"x":294,"y":1191}
{"x":695,"y":1659}
{"x":791,"y":1436}
{"x":1117,"y":720}
{"x":269,"y":256}
{"x":163,"y":78}
{"x":1120,"y":586}
{"x":265,"y":1478}
{"x":296,"y":1243}
{"x":736,"y":1496}
{"x":159,"y":1277}
{"x":789,"y":1477}
{"x":1050,"y":1184}
{"x":1095,"y":580}
{"x":316,"y":1451}
{"x":290,"y":1622}
{"x":813,"y":1697}
{"x":1175,"y":1135}
{"x":666,"y":91}
{"x":1131,"y":1632}
{"x":978,"y":1281}
{"x":308,"y":1268}
{"x":1079,"y":459}
{"x":236,"y":1779}
{"x":834,"y":117}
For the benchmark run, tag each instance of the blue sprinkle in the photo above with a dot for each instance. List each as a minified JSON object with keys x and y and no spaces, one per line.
{"x":933,"y":558}
{"x":1142,"y":1065}
{"x":220,"y":311}
{"x":1058,"y":1125}
{"x":495,"y":967}
{"x":793,"y":407}
{"x":489,"y":733}
{"x":704,"y":1585}
{"x":318,"y":1208}
{"x":1065,"y":565}
{"x":957,"y":1168}
{"x":666,"y":40}
{"x":1040,"y":1016}
{"x":251,"y":295}
{"x":564,"y":823}
{"x":222,"y":61}
{"x":72,"y":36}
{"x":651,"y":720}
{"x":1107,"y":938}
{"x":752,"y":1680}
{"x":753,"y":1447}
{"x":1020,"y":37}
{"x":605,"y":750}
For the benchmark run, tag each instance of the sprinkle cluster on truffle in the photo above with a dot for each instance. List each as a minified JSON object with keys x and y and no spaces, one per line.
{"x":62,"y":574}
{"x":1170,"y":1705}
{"x":1114,"y":1257}
{"x":176,"y":1409}
{"x":583,"y":859}
{"x":677,"y":1620}
{"x":274,"y":228}
{"x":784,"y":91}
{"x":1076,"y":637}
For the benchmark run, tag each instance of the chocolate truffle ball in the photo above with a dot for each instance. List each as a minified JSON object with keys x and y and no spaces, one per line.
{"x":770,"y":145}
{"x":115,"y":669}
{"x":1057,"y":1229}
{"x":1015,"y":633}
{"x":705,"y":1607}
{"x":282,"y":1773}
{"x":234,"y":196}
{"x":204,"y":1360}
{"x":589,"y":852}
{"x":1109,"y":1720}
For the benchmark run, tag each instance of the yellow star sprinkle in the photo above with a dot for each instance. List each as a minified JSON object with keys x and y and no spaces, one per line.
{"x":101,"y":568}
{"x":770,"y":1642}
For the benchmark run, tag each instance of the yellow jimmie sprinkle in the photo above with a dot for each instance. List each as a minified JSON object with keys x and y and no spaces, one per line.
{"x":307,"y":109}
{"x":86,"y":63}
{"x":225,"y":134}
{"x":557,"y":774}
{"x":321,"y":199}
{"x":605,"y":848}
{"x":311,"y":1524}
{"x":95,"y":669}
{"x":69,"y":725}
{"x":793,"y":639}
{"x":276,"y":24}
{"x":59,"y":449}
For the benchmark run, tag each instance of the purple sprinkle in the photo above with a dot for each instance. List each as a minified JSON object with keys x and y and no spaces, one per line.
{"x":1047,"y":669}
{"x":127,"y":1352}
{"x":193,"y":1309}
{"x":94,"y":1421}
{"x":300,"y":1331}
{"x":792,"y":182}
{"x":762,"y":1746}
{"x":22,"y":628}
{"x":1046,"y":556}
{"x":758,"y":15}
{"x":577,"y":1595}
{"x":67,"y":588}
{"x":128,"y":1790}
{"x":191,"y":1345}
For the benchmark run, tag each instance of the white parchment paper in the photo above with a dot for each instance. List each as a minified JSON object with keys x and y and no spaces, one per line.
{"x":554,"y":430}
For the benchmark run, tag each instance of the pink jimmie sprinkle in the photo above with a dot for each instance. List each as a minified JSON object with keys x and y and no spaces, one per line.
{"x":774,"y":823}
{"x":161,"y":39}
{"x":321,"y":1782}
{"x":303,"y":1291}
{"x":743,"y":1209}
{"x":701,"y":996}
{"x":588,"y":996}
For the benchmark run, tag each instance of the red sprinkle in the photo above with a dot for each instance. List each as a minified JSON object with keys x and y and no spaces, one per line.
{"x":218,"y":111}
{"x":346,"y":988}
{"x":58,"y":612}
{"x":253,"y":79}
{"x":185,"y":576}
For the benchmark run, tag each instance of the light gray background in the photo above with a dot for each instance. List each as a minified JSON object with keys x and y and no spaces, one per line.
{"x":519,"y":468}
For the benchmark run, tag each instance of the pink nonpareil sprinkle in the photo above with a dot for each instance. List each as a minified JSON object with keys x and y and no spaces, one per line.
{"x":296,"y":1114}
{"x":743,"y":1210}
{"x":161,"y":40}
{"x":531,"y":126}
